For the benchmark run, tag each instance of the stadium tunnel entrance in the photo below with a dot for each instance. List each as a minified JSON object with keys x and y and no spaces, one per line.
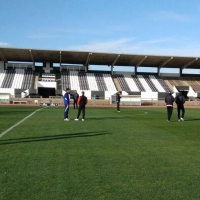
{"x":46,"y":89}
{"x":183,"y":90}
{"x":46,"y":92}
{"x":184,"y":93}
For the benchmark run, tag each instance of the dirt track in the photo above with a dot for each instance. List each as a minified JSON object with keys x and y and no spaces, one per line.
{"x":106,"y":106}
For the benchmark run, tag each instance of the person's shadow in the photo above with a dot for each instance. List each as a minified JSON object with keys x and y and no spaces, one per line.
{"x":52,"y":137}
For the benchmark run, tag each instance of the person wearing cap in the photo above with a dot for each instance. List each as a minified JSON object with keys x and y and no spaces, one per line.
{"x":82,"y":101}
{"x":180,"y":100}
{"x":169,"y":100}
{"x":118,"y":97}
{"x":66,"y":102}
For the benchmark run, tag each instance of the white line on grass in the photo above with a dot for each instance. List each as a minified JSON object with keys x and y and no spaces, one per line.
{"x":145,"y":113}
{"x":2,"y":134}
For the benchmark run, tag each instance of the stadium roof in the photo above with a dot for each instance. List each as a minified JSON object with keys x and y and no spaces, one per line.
{"x":97,"y":58}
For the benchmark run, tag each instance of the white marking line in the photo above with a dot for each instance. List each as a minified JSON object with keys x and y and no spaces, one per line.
{"x":2,"y":134}
{"x":145,"y":113}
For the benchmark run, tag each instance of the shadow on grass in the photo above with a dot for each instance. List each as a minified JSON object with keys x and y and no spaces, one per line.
{"x":186,"y":120}
{"x":53,"y":137}
{"x":192,"y":120}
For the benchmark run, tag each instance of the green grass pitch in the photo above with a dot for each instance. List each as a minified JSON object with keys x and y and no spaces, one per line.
{"x":135,"y":154}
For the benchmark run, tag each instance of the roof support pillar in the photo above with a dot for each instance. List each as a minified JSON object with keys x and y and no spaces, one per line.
{"x":111,"y":69}
{"x":168,"y":60}
{"x":87,"y":63}
{"x":159,"y":71}
{"x":114,"y":62}
{"x":136,"y":70}
{"x":32,"y":58}
{"x":2,"y":64}
{"x":163,"y":64}
{"x":86,"y":68}
{"x":140,"y":62}
{"x":188,"y":64}
{"x":60,"y":58}
{"x":180,"y":72}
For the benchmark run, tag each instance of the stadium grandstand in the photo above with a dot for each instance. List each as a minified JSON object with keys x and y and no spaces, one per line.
{"x":22,"y":79}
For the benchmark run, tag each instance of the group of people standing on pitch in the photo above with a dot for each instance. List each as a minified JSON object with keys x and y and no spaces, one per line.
{"x":79,"y":103}
{"x":82,"y":101}
{"x":179,"y":100}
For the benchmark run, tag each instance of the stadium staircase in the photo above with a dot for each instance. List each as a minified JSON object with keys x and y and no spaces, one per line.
{"x":194,"y":83}
{"x":168,"y":84}
{"x":185,"y":81}
{"x":117,"y":85}
{"x":124,"y":85}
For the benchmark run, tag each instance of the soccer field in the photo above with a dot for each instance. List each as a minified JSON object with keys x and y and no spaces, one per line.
{"x":135,"y":154}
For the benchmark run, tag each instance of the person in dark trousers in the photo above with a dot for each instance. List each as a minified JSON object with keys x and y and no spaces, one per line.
{"x":75,"y":97}
{"x":82,"y":101}
{"x":180,"y":100}
{"x":169,"y":100}
{"x":118,"y":97}
{"x":66,"y":102}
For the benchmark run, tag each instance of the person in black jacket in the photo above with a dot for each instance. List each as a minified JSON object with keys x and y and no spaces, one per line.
{"x":169,"y":100}
{"x":82,"y":101}
{"x":118,"y":97}
{"x":75,"y":97}
{"x":180,"y":100}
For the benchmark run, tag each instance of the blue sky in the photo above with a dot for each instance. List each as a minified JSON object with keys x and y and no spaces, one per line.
{"x":151,"y":27}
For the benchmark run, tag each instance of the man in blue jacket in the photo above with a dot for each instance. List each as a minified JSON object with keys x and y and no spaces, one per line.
{"x":66,"y":102}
